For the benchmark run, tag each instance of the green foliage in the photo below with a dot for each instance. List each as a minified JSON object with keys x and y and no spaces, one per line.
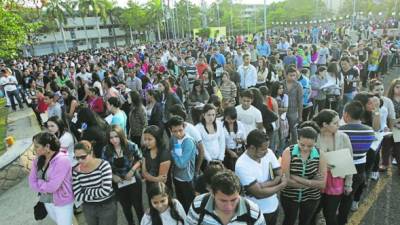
{"x":204,"y":32}
{"x":14,"y":33}
{"x":3,"y":124}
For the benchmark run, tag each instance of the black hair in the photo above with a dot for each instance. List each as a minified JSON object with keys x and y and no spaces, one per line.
{"x":46,"y":138}
{"x":206,"y":108}
{"x":62,"y":128}
{"x":213,"y":168}
{"x":275,"y":88}
{"x":247,"y":93}
{"x":226,"y":182}
{"x":136,"y":98}
{"x":160,"y":188}
{"x":308,"y":130}
{"x":175,"y":121}
{"x":325,"y":116}
{"x":114,"y":101}
{"x":256,"y":138}
{"x":157,"y":133}
{"x":178,"y":110}
{"x":354,"y":109}
{"x":95,"y":90}
{"x":230,"y":112}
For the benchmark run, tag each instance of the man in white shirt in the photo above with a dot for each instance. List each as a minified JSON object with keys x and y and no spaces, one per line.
{"x":85,"y":76}
{"x":247,"y":72}
{"x":249,"y":115}
{"x":9,"y":84}
{"x":260,"y":174}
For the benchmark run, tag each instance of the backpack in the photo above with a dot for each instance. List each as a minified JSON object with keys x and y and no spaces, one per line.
{"x":202,"y":212}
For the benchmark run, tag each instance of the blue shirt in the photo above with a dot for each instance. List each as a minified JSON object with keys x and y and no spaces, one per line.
{"x":305,"y":83}
{"x":184,"y":159}
{"x":219,"y":58}
{"x":264,"y":49}
{"x":120,"y":120}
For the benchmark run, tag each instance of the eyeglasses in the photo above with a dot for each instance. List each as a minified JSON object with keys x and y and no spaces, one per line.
{"x":79,"y":158}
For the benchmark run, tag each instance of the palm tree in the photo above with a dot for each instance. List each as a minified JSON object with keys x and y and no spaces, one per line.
{"x":154,"y":12}
{"x":84,"y":8}
{"x":58,"y":10}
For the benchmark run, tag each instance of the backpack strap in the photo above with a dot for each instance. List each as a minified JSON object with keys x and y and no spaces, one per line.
{"x":202,"y":210}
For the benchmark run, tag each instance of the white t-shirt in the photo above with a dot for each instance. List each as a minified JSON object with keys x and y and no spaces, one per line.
{"x":387,"y":102}
{"x":191,"y":131}
{"x":214,"y":144}
{"x":249,"y":117}
{"x":231,"y":136}
{"x":166,"y":216}
{"x":250,"y":171}
{"x":9,"y":83}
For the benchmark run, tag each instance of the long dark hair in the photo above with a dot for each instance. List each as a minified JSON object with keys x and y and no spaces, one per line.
{"x":160,"y":188}
{"x":157,"y":133}
{"x":109,"y":149}
{"x":62,"y":128}
{"x":207,"y":108}
{"x":275,"y":88}
{"x":46,"y":138}
{"x":231,"y":112}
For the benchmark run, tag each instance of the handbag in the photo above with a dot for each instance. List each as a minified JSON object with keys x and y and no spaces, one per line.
{"x":39,"y":211}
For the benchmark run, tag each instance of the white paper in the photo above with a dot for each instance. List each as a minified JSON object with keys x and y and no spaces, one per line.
{"x":126,"y":182}
{"x":108,"y":119}
{"x":342,"y":162}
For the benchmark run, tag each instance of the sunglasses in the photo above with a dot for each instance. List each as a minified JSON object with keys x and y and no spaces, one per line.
{"x":79,"y":158}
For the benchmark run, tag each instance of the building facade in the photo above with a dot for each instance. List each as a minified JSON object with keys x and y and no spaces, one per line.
{"x":81,"y":34}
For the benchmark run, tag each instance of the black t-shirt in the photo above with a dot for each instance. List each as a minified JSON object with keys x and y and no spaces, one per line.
{"x":349,"y":85}
{"x":153,"y":165}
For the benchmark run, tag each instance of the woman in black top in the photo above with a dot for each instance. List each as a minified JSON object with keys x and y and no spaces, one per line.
{"x":93,"y":129}
{"x":157,"y":159}
{"x":125,"y":159}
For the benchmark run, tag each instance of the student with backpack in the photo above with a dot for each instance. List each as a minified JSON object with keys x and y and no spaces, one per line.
{"x":224,"y":205}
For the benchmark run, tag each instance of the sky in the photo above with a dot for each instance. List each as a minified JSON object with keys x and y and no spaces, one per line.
{"x":123,"y":3}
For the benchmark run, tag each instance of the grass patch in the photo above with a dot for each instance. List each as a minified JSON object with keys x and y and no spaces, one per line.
{"x":3,"y":124}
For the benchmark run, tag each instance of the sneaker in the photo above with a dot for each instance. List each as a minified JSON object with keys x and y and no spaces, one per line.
{"x":374,"y":176}
{"x":354,"y":206}
{"x":394,"y":162}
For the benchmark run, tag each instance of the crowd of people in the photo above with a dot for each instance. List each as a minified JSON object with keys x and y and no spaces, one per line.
{"x":211,"y":132}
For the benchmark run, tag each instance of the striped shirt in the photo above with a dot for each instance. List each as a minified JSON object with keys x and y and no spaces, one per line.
{"x":361,"y":137}
{"x":228,"y":90}
{"x":307,"y":169}
{"x":210,"y":218}
{"x":295,"y":95}
{"x":95,"y":186}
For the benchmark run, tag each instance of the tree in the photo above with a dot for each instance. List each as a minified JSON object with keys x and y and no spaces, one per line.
{"x":14,"y":32}
{"x":58,"y":11}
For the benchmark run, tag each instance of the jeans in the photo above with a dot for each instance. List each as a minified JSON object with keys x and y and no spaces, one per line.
{"x":184,"y":193}
{"x":293,"y":120}
{"x":271,"y":218}
{"x":346,"y":201}
{"x":129,"y":196}
{"x":303,"y":210}
{"x":101,"y":213}
{"x":11,"y":95}
{"x":373,"y":159}
{"x":62,"y":215}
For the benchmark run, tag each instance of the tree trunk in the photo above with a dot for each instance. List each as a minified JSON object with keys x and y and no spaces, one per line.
{"x":61,"y":25}
{"x":113,"y":30}
{"x":158,"y":30}
{"x":56,"y":42}
{"x":87,"y":37}
{"x":98,"y":29}
{"x":130,"y":32}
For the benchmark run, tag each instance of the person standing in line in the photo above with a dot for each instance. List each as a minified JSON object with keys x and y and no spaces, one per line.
{"x":305,"y":169}
{"x":223,"y":204}
{"x":247,"y":114}
{"x":260,"y":173}
{"x":361,"y":137}
{"x":125,"y":159}
{"x":294,"y":91}
{"x":92,"y":185}
{"x":248,"y":73}
{"x":9,"y":83}
{"x":183,"y":152}
{"x":330,"y":139}
{"x":163,"y":208}
{"x":119,"y":117}
{"x":50,"y":176}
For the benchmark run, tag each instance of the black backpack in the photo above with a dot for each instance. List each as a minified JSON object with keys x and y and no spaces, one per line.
{"x":201,"y":211}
